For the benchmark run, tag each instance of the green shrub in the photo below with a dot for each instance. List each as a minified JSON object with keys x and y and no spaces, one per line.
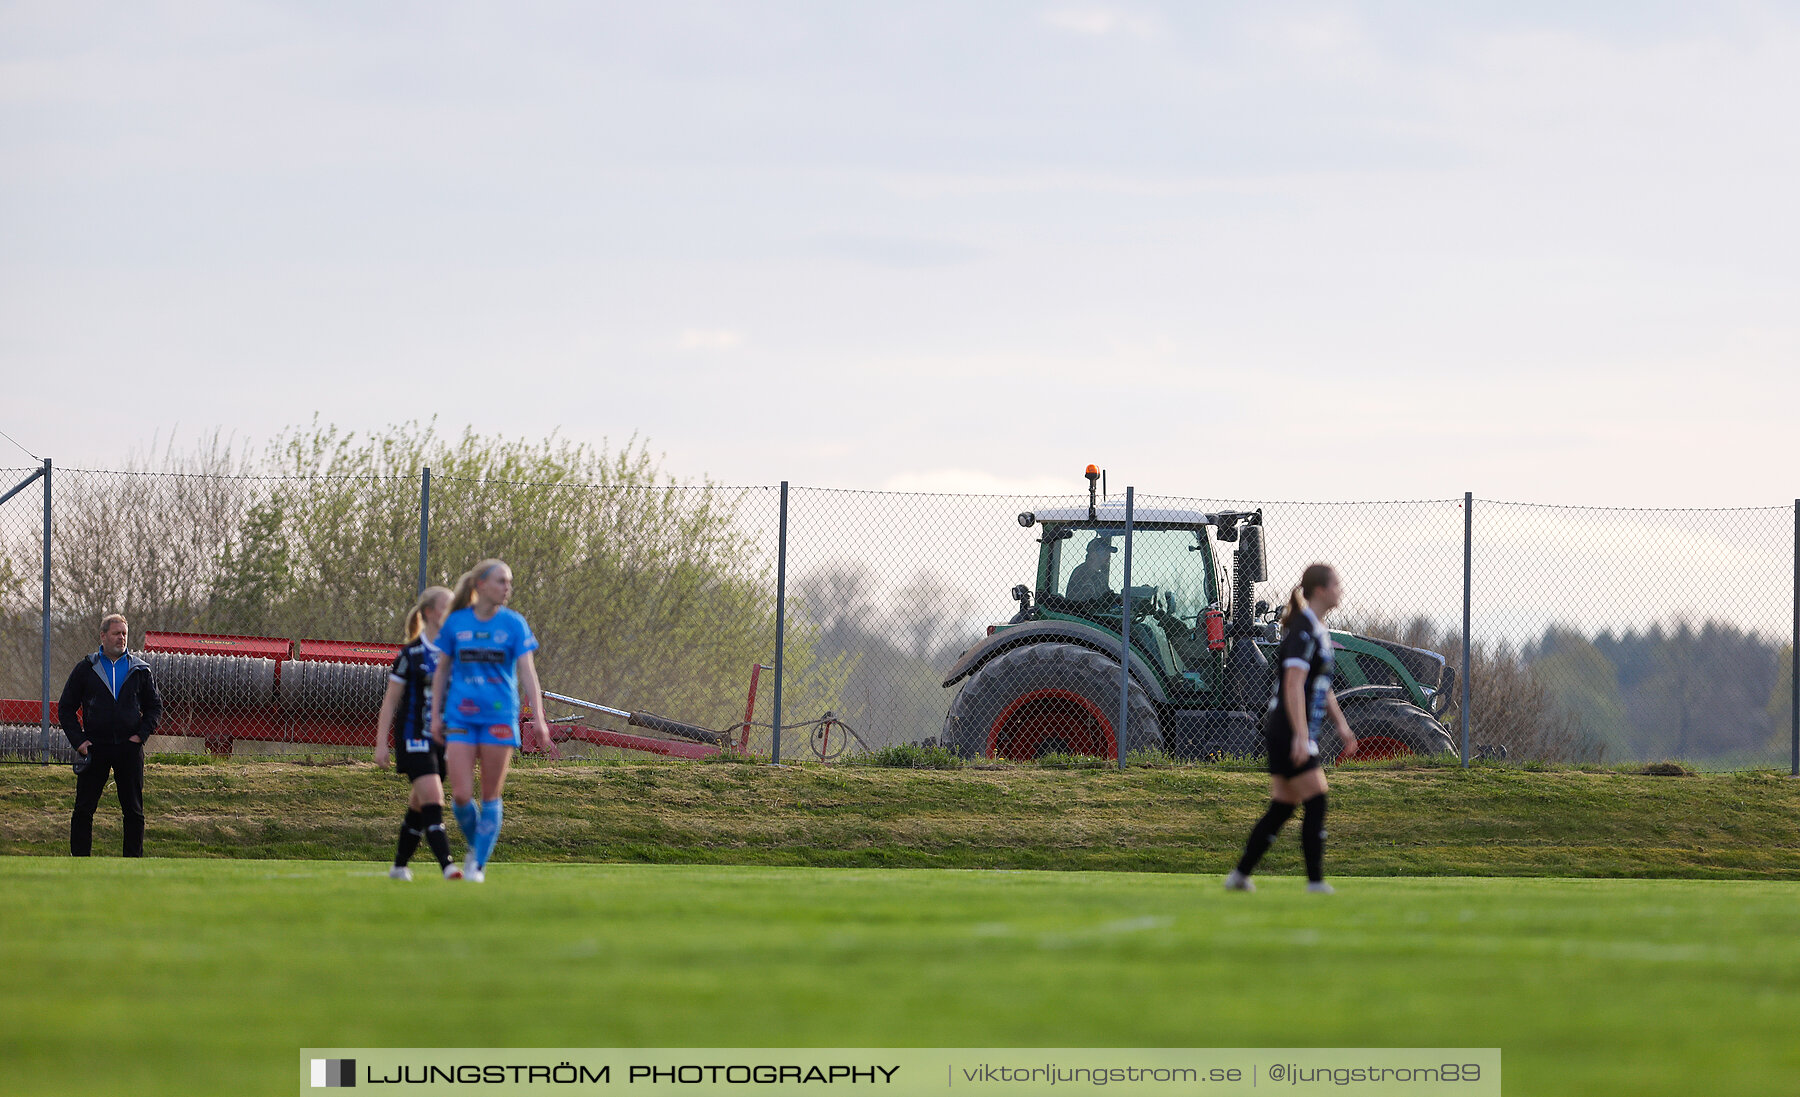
{"x":909,"y":756}
{"x":1058,"y":760}
{"x":731,"y":758}
{"x":1151,"y":758}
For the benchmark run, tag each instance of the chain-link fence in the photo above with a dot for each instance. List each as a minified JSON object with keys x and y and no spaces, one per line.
{"x":269,"y":608}
{"x":1641,"y":634}
{"x":24,"y":504}
{"x":906,"y":584}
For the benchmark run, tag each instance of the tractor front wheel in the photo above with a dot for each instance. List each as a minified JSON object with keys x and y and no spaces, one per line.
{"x":1047,"y":698}
{"x":1386,"y":727}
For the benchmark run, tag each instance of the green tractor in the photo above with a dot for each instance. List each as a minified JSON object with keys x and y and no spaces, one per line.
{"x":1047,"y":682}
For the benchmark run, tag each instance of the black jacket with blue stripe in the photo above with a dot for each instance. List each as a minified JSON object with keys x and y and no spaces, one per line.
{"x":89,"y":711}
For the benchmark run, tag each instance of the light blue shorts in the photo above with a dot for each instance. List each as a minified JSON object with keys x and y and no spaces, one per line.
{"x":498,"y":735}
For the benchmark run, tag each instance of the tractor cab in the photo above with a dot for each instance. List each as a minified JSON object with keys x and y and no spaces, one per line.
{"x":1175,"y":584}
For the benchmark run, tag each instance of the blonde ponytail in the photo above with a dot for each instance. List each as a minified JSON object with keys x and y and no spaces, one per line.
{"x":1314,"y":577}
{"x":464,"y":595}
{"x":415,"y":618}
{"x":1296,"y":605}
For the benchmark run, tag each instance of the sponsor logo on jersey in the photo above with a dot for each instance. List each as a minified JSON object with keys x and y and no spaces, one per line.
{"x":467,"y":707}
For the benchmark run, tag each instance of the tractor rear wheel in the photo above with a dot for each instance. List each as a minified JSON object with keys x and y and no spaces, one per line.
{"x":1047,"y":698}
{"x":1386,"y":727}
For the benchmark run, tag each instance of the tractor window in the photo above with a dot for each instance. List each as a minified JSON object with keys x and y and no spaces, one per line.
{"x":1087,"y":564}
{"x":1165,"y":565}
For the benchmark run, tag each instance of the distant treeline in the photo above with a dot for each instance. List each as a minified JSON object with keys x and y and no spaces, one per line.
{"x":1710,"y":692}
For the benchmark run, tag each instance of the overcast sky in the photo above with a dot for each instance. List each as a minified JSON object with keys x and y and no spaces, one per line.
{"x":1322,"y":251}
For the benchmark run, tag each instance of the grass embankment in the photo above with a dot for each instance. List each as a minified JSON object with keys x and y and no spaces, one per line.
{"x":1417,"y":820}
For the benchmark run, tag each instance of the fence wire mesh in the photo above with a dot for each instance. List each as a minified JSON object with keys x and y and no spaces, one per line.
{"x":898,"y":587}
{"x":658,"y":601}
{"x":888,"y":590}
{"x":230,"y":583}
{"x":271,"y":607}
{"x":1605,"y":635}
{"x":21,"y":607}
{"x":1634,"y":634}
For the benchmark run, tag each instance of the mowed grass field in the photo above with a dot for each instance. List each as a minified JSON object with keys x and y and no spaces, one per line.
{"x":198,"y":976}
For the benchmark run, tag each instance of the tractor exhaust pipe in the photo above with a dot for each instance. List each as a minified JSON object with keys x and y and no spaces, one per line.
{"x":1245,"y":667}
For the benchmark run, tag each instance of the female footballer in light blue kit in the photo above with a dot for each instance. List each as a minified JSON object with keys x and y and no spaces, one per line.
{"x":475,"y":701}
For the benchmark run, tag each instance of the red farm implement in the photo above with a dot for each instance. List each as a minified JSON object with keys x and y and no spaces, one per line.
{"x":224,"y":689}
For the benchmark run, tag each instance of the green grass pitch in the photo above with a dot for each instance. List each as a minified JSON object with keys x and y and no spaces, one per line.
{"x":196,"y":976}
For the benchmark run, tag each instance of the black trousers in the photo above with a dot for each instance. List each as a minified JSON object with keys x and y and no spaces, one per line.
{"x":125,"y":761}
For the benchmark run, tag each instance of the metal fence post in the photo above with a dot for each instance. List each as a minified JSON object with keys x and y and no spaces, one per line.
{"x":780,"y":619}
{"x":1468,"y":577}
{"x":44,"y":685}
{"x":1122,"y":742}
{"x":424,"y":522}
{"x":1793,"y":655}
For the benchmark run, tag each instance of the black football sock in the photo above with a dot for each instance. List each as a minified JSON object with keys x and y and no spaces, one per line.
{"x":1262,"y":835}
{"x":433,"y":815}
{"x":411,"y":829}
{"x":1312,"y":837}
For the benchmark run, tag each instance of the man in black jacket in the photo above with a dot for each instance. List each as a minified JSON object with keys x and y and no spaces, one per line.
{"x":108,"y":708}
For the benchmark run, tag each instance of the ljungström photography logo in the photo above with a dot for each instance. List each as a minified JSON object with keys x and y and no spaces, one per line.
{"x":331,"y":1073}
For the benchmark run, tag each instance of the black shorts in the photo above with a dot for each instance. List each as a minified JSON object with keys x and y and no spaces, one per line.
{"x":415,"y":764}
{"x":1278,"y":739}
